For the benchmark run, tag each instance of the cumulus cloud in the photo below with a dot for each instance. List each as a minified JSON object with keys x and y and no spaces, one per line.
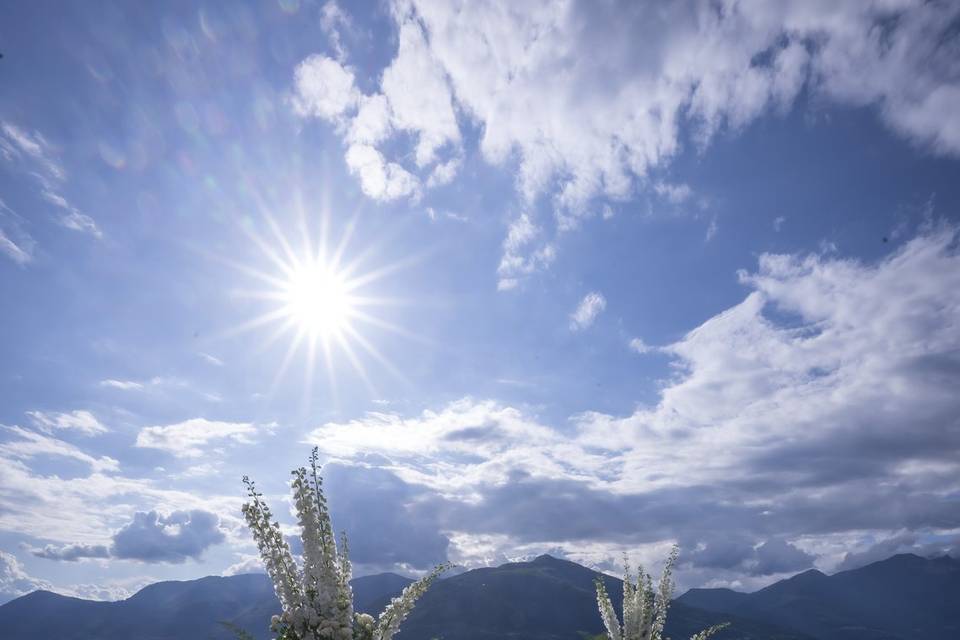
{"x":14,"y":581}
{"x":379,"y":179}
{"x":414,"y":98}
{"x":828,"y":390}
{"x":149,"y":537}
{"x":324,"y":88}
{"x":190,"y":437}
{"x":77,"y":420}
{"x":416,"y":87}
{"x":590,"y":100}
{"x":152,"y":537}
{"x":247,"y":564}
{"x":587,"y":311}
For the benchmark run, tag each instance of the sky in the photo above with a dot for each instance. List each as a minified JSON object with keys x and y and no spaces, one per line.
{"x":574,"y":278}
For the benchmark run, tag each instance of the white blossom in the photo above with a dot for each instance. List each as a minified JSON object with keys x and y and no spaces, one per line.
{"x":644,"y":610}
{"x":317,"y":600}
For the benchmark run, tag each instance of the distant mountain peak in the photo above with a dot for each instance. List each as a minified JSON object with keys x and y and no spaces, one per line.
{"x":546,"y":558}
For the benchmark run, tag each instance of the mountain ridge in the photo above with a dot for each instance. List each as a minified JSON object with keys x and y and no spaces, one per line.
{"x":546,"y":598}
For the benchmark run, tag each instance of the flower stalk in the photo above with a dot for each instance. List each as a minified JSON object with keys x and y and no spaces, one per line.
{"x":644,"y":609}
{"x":316,"y":599}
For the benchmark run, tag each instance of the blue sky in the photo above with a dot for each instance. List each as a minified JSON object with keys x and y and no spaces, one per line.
{"x":629,"y":276}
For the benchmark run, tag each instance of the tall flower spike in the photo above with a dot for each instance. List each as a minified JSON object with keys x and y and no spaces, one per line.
{"x":607,"y":614}
{"x":399,"y":608}
{"x":317,"y":601}
{"x":644,"y":610}
{"x":630,"y":609}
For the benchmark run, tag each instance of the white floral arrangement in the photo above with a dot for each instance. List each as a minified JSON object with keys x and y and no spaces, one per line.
{"x":644,"y":610}
{"x":316,"y":599}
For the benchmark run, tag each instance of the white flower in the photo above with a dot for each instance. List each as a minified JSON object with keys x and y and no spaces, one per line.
{"x":644,"y":610}
{"x":317,"y":600}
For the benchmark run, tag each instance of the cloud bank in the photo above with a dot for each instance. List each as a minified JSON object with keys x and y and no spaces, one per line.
{"x":829,"y":390}
{"x":588,"y":101}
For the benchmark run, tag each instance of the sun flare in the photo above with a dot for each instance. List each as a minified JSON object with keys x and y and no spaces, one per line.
{"x":320,"y":300}
{"x":317,"y":298}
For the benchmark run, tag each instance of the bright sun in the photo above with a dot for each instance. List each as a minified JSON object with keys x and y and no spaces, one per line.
{"x":319,"y":301}
{"x":317,"y":298}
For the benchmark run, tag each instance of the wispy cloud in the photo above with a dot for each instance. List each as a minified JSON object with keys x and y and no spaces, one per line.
{"x":28,"y":445}
{"x":15,"y":242}
{"x":125,"y":385}
{"x":523,"y":253}
{"x":38,"y":158}
{"x":637,"y":345}
{"x":209,"y":359}
{"x":587,"y":311}
{"x":77,"y":420}
{"x":190,"y":437}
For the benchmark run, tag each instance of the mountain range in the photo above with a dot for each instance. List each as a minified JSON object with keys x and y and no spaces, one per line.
{"x":902,"y":598}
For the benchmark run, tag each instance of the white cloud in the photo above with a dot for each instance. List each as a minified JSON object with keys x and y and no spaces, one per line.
{"x":190,"y":437}
{"x":14,"y":251}
{"x":444,"y":173}
{"x":589,"y":100}
{"x":72,"y":218}
{"x":372,"y":124}
{"x":418,"y":93}
{"x":209,"y":359}
{"x":859,"y":366}
{"x":332,"y":20}
{"x":16,"y":142}
{"x":587,"y":311}
{"x":78,"y":420}
{"x":247,"y":564}
{"x":323,"y":88}
{"x":14,"y":581}
{"x":673,"y":193}
{"x":29,"y":445}
{"x":414,"y":98}
{"x":522,"y":253}
{"x":77,"y":221}
{"x":783,"y":434}
{"x":778,"y":222}
{"x":379,"y":179}
{"x":712,"y":229}
{"x":46,"y":507}
{"x":639,"y":346}
{"x":15,"y":242}
{"x":16,"y":146}
{"x":125,"y":385}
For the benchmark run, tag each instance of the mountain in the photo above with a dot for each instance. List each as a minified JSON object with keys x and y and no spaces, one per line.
{"x":545,"y":599}
{"x":902,"y":598}
{"x":905,"y":597}
{"x":167,"y":610}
